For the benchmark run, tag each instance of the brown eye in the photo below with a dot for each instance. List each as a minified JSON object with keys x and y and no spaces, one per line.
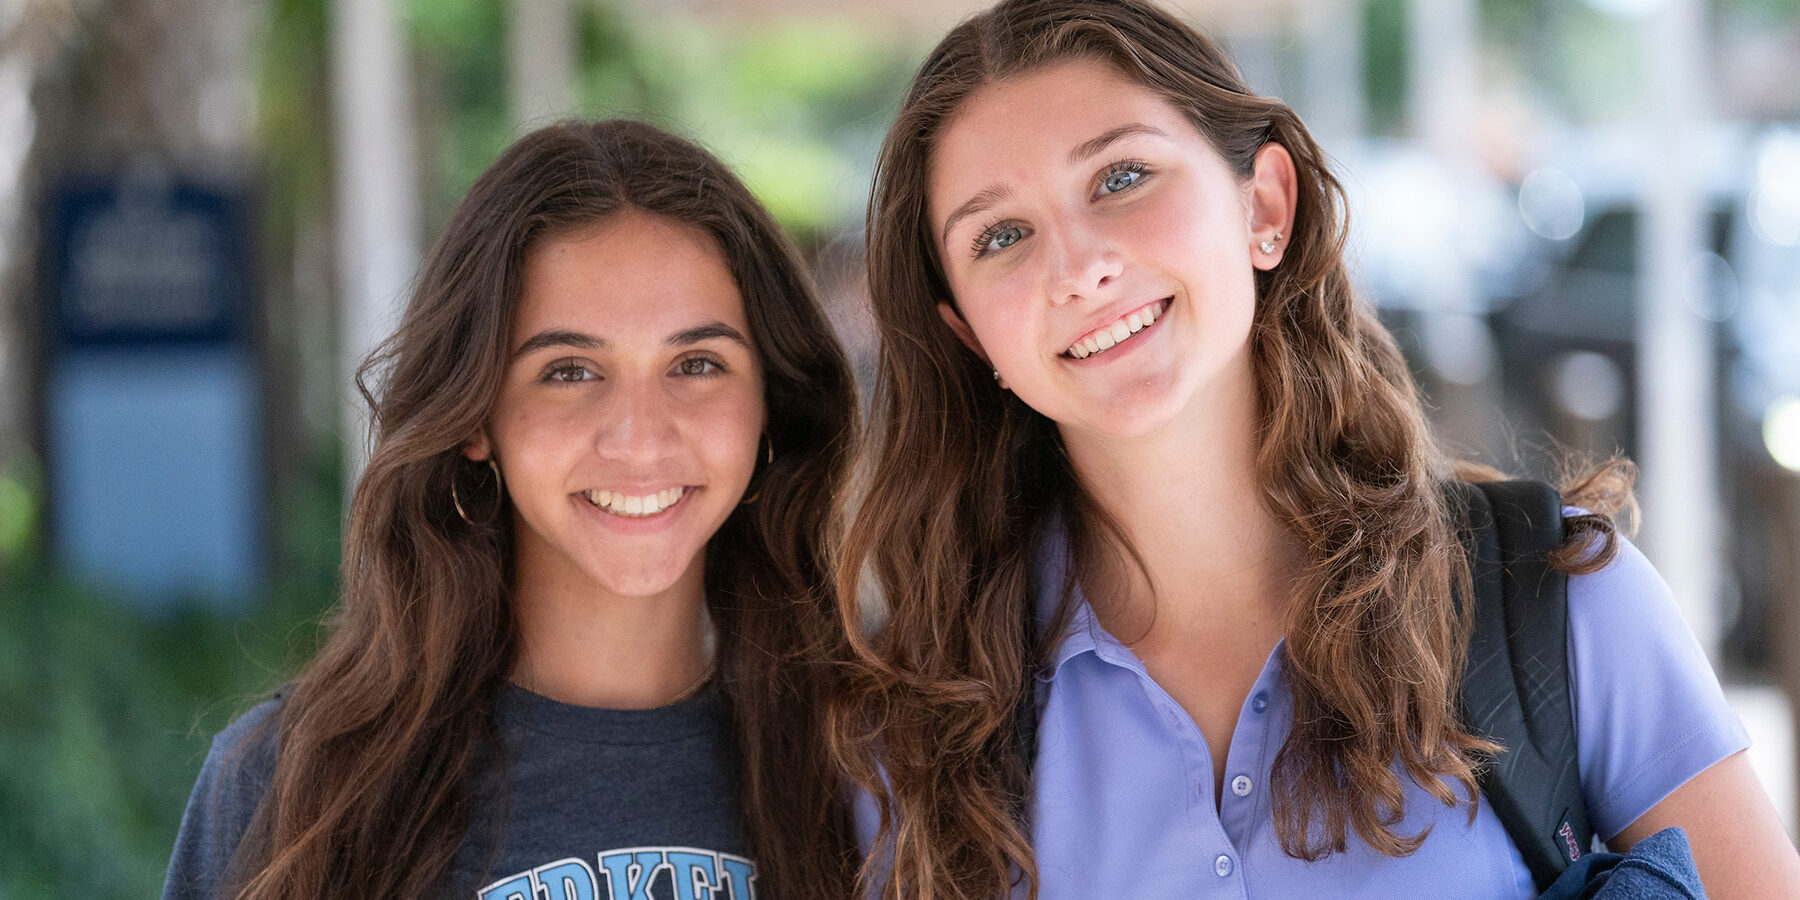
{"x":569,"y":373}
{"x":697,"y":366}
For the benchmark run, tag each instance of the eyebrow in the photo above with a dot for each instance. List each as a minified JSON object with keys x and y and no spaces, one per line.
{"x":558,"y":338}
{"x":706,"y":332}
{"x":983,"y":200}
{"x":687,"y":337}
{"x":1091,"y":148}
{"x":987,"y":197}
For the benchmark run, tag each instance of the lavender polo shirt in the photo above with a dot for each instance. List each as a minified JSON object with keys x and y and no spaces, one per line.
{"x":1122,"y":802}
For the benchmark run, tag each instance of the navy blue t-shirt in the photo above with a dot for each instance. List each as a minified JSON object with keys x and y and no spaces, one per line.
{"x":600,"y":804}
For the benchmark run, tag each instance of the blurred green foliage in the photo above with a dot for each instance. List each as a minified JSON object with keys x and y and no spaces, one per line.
{"x":796,"y":106}
{"x":1384,"y":64}
{"x":106,"y":713}
{"x":19,"y":489}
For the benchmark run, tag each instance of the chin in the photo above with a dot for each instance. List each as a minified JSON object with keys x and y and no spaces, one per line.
{"x":639,"y":577}
{"x":640,"y":584}
{"x":1127,"y":420}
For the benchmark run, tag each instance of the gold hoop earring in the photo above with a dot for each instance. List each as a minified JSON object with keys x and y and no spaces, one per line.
{"x":768,"y":460}
{"x":499,"y":495}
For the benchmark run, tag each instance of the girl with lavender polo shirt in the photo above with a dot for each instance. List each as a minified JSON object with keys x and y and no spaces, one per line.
{"x":1147,"y":461}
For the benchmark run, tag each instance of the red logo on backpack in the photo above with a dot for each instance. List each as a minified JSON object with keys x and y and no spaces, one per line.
{"x":1568,"y":835}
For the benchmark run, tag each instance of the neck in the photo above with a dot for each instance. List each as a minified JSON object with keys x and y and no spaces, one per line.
{"x":1188,"y":499}
{"x":583,"y":646}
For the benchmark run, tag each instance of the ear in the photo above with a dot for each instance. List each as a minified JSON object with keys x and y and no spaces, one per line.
{"x":963,"y":332}
{"x":478,"y":448}
{"x":1273,"y":193}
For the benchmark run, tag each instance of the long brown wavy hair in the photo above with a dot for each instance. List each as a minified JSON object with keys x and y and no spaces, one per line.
{"x":381,"y":735}
{"x":967,"y":481}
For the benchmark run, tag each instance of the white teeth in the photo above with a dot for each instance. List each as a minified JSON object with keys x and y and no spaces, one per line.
{"x":1109,"y":336}
{"x":647,"y":505}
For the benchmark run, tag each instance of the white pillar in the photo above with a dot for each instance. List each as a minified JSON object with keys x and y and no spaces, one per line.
{"x":1336,"y":108}
{"x":541,"y":52}
{"x":1675,"y":371}
{"x":377,"y":192}
{"x":1442,"y":55}
{"x":17,"y":125}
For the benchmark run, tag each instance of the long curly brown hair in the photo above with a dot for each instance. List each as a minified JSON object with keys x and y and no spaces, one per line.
{"x":381,"y":735}
{"x":967,"y":481}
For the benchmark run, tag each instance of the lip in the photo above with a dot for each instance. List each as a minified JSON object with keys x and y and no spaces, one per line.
{"x":1114,"y":315}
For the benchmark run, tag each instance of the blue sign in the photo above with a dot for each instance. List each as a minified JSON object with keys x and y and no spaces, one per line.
{"x":153,"y":391}
{"x":148,"y":259}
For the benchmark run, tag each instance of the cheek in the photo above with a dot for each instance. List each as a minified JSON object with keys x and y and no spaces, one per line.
{"x":726,"y":429}
{"x":533,"y":429}
{"x":997,"y":308}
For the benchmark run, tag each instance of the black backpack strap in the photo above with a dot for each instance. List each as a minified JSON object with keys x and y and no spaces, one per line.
{"x":1515,"y":687}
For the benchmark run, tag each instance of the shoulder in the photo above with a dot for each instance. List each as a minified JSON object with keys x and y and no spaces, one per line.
{"x":242,"y":757}
{"x":224,"y":800}
{"x":1649,"y":711}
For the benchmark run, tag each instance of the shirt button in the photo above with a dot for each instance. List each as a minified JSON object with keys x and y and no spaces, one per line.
{"x":1260,"y":702}
{"x":1222,"y":865}
{"x":1241,"y":785}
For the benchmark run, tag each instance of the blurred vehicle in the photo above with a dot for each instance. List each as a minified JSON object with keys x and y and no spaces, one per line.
{"x":1548,"y":312}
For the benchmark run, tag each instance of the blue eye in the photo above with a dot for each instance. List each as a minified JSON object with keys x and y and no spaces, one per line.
{"x":998,"y":236}
{"x":1121,"y":176}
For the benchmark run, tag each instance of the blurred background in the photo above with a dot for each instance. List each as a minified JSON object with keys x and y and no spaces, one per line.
{"x":1582,"y":218}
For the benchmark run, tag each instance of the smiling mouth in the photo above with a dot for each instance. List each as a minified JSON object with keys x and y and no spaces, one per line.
{"x":635,"y":506}
{"x":1119,"y":331}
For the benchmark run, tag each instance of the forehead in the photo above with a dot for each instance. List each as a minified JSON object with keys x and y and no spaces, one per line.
{"x":1015,"y":128}
{"x":632,"y":272}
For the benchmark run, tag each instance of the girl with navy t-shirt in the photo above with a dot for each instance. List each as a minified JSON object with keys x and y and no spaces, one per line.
{"x":586,"y":627}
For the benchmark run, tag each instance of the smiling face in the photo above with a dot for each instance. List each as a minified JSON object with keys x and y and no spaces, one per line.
{"x":1100,"y":252}
{"x":629,"y":421}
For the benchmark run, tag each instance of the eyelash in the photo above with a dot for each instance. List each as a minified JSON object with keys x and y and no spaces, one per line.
{"x":979,"y":247}
{"x":714,"y":367}
{"x":1134,"y":166}
{"x":553,"y":373}
{"x":556,"y":372}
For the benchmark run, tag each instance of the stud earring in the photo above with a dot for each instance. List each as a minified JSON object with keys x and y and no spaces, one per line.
{"x":1268,"y":246}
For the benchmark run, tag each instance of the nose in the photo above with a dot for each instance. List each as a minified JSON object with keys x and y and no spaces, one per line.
{"x":1083,"y":263}
{"x":637,"y":423}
